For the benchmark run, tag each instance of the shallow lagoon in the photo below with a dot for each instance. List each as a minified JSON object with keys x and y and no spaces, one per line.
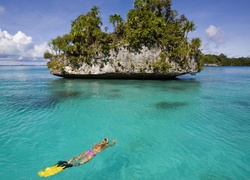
{"x":196,"y":127}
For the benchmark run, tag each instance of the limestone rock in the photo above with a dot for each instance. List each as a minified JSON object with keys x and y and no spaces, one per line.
{"x":123,"y":64}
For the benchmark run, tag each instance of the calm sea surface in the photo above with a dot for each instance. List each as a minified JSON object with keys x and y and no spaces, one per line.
{"x":196,"y":127}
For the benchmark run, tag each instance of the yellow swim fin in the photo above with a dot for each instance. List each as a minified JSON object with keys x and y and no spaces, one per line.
{"x":49,"y":171}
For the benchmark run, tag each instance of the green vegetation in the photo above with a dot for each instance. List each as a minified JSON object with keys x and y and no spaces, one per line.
{"x":55,"y":64}
{"x":151,"y":23}
{"x":223,"y":60}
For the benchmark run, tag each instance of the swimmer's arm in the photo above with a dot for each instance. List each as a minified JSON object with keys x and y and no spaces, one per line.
{"x":109,"y":145}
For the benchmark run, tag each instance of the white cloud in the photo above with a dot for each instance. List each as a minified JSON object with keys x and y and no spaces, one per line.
{"x":212,"y":31}
{"x":20,"y":46}
{"x":38,"y":50}
{"x":2,"y":10}
{"x":7,"y":45}
{"x":22,"y":41}
{"x":214,"y":40}
{"x":215,"y":35}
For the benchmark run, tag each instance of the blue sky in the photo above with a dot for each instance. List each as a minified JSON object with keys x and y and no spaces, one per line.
{"x":26,"y":26}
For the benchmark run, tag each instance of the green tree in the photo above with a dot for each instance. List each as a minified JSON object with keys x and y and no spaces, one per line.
{"x":196,"y":44}
{"x":116,"y":20}
{"x":118,"y":24}
{"x":86,"y":34}
{"x":47,"y":55}
{"x":187,"y":27}
{"x":61,"y":44}
{"x":143,"y":27}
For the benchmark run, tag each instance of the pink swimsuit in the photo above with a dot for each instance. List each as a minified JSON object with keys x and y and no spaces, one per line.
{"x":90,"y":153}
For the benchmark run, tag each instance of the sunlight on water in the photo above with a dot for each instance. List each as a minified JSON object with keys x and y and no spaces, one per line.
{"x":191,"y":128}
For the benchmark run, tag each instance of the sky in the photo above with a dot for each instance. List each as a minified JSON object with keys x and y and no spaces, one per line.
{"x":26,"y":26}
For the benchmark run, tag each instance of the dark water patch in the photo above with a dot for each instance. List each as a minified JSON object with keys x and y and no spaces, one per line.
{"x":175,"y":88}
{"x":18,"y":103}
{"x":114,"y":96}
{"x":242,"y":103}
{"x":19,"y":99}
{"x":66,"y":94}
{"x":207,"y":97}
{"x":170,"y":105}
{"x":180,"y":85}
{"x":86,"y":95}
{"x":55,"y":98}
{"x":46,"y":102}
{"x":24,"y":101}
{"x":32,"y":102}
{"x":115,"y":90}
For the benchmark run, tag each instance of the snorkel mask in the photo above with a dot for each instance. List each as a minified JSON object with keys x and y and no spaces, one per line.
{"x":105,"y":141}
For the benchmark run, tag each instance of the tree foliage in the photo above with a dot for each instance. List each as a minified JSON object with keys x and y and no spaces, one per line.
{"x":150,"y":23}
{"x":47,"y":55}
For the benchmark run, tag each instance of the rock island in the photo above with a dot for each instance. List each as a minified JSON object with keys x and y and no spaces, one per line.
{"x":152,"y":43}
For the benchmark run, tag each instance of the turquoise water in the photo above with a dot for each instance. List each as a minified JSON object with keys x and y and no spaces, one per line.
{"x":196,"y":127}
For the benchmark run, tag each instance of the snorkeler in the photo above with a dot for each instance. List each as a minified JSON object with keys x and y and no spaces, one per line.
{"x":88,"y":155}
{"x":81,"y":159}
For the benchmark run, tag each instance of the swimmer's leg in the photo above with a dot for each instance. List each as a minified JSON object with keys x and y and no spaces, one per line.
{"x":76,"y":158}
{"x":85,"y":160}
